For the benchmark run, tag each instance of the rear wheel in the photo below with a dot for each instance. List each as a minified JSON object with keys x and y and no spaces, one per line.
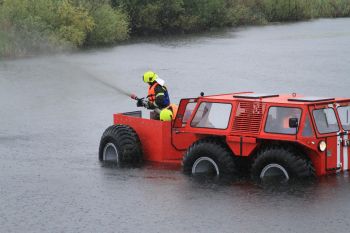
{"x":209,"y":157}
{"x":120,"y":143}
{"x":280,"y":164}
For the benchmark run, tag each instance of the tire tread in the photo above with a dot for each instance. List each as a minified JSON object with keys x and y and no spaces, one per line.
{"x":213,"y":148}
{"x":292,"y":160}
{"x":126,"y":140}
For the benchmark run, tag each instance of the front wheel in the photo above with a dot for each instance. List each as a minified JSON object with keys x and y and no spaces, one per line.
{"x":120,"y":144}
{"x":280,"y":164}
{"x":209,"y":157}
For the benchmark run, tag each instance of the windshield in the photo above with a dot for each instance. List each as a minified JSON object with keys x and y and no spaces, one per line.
{"x":326,"y":121}
{"x":344,"y":115}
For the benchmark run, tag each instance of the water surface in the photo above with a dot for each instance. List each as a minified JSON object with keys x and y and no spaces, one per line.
{"x":54,"y":109}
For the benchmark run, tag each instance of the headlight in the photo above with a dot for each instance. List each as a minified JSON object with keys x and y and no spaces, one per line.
{"x":322,"y":146}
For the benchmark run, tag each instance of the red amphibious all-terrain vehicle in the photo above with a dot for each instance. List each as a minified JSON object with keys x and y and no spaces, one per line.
{"x":287,"y":135}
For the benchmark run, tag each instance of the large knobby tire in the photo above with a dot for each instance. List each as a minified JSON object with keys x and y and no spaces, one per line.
{"x":281,"y":164}
{"x":120,"y":143}
{"x":209,"y":157}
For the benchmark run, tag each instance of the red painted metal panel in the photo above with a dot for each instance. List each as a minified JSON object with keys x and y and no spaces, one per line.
{"x":183,"y":140}
{"x":318,"y":160}
{"x":234,"y":142}
{"x":332,"y":154}
{"x":155,"y":138}
{"x":241,"y":146}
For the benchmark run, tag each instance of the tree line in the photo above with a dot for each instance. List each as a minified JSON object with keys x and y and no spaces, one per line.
{"x":30,"y":26}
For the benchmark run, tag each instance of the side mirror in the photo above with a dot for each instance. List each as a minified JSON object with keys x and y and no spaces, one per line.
{"x":293,"y":123}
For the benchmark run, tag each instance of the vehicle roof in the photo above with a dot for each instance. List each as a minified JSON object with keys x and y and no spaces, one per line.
{"x":293,"y":98}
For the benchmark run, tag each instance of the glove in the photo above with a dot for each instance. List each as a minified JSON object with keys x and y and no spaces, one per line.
{"x":139,"y":103}
{"x":148,"y":105}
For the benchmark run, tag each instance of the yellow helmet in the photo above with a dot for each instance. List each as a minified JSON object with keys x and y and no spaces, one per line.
{"x":166,"y":115}
{"x":149,"y":77}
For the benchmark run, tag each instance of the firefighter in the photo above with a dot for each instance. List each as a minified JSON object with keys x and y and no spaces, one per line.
{"x":158,"y":96}
{"x":168,"y":113}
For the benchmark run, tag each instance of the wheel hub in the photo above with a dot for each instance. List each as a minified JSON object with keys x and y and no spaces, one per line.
{"x":274,"y":170}
{"x":205,"y":166}
{"x":110,"y":153}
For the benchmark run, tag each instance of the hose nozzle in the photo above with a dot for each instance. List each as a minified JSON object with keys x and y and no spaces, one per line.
{"x":134,"y":97}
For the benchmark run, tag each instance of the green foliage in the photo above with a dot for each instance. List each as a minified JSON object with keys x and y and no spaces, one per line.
{"x":22,"y":26}
{"x":277,"y":10}
{"x":210,"y":12}
{"x":5,"y":44}
{"x":42,"y":25}
{"x":244,"y":12}
{"x":163,"y":16}
{"x":29,"y":26}
{"x":334,"y":8}
{"x":170,"y":13}
{"x":287,"y":10}
{"x":111,"y":25}
{"x":72,"y":23}
{"x":148,"y":16}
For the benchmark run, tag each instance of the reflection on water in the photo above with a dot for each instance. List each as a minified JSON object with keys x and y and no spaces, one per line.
{"x":164,"y":172}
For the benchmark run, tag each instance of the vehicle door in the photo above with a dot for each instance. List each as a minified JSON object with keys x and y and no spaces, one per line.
{"x":327,"y":129}
{"x":182,"y":139}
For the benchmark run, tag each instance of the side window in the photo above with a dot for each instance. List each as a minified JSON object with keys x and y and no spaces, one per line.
{"x":188,"y":112}
{"x":278,"y":120}
{"x":344,"y":115}
{"x":307,"y":131}
{"x":212,"y":115}
{"x":326,"y":120}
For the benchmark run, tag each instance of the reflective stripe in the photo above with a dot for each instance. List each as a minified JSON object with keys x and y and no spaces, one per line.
{"x":159,"y":94}
{"x":345,"y":154}
{"x":338,"y":150}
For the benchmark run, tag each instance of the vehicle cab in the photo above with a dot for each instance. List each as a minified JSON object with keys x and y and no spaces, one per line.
{"x":318,"y":126}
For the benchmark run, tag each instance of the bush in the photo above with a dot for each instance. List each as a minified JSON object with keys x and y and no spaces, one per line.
{"x":169,"y":16}
{"x":286,"y":10}
{"x":33,"y":26}
{"x":22,"y":26}
{"x":5,"y":44}
{"x":72,"y":23}
{"x":161,"y":16}
{"x":29,"y":26}
{"x":111,"y":25}
{"x":336,"y":8}
{"x":244,"y":12}
{"x":147,"y":18}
